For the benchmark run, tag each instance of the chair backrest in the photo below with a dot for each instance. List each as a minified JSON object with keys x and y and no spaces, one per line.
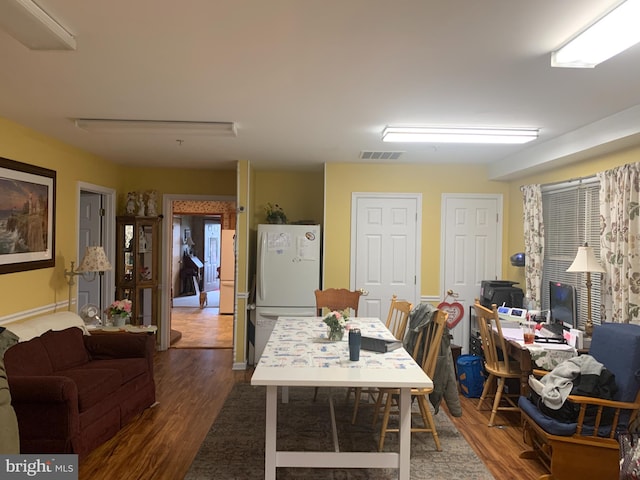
{"x":339,"y":299}
{"x":617,"y":347}
{"x":488,"y":323}
{"x":398,"y":317}
{"x":427,"y":347}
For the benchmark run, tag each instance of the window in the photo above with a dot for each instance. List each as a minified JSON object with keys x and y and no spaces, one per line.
{"x":571,"y":216}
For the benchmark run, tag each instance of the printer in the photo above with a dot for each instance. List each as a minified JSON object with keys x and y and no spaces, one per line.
{"x":500,"y":292}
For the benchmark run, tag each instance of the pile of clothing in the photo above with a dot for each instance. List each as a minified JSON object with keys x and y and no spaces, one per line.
{"x":582,"y":375}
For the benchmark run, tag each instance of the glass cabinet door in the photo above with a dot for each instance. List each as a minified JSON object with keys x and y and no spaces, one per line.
{"x":137,"y":266}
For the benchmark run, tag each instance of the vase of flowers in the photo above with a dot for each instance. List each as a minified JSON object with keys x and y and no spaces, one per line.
{"x":275,"y":213}
{"x":336,"y":322}
{"x":119,"y":312}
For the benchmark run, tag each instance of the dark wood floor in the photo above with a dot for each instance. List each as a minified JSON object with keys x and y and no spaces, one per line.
{"x":192,"y":385}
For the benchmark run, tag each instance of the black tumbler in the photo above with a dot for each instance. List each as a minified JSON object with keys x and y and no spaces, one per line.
{"x":355,"y":340}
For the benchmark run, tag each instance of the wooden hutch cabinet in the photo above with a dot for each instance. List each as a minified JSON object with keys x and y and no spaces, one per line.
{"x":137,"y":263}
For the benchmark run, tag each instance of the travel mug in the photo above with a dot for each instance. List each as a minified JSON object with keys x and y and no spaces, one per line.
{"x":355,"y":340}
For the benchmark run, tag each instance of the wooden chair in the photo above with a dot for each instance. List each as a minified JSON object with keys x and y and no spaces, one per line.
{"x":397,"y":320}
{"x":398,"y":316}
{"x":590,"y":448}
{"x":426,"y":353}
{"x":339,"y":299}
{"x":498,"y":369}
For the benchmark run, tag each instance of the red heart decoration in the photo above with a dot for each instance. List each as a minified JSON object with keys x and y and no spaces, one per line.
{"x":455,"y":311}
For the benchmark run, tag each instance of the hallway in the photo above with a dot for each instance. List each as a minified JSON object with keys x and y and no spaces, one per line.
{"x":201,"y":328}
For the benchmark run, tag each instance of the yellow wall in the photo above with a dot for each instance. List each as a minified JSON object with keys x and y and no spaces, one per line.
{"x":430,"y":180}
{"x":242,"y":285}
{"x":38,"y":288}
{"x":298,"y":193}
{"x":174,"y":181}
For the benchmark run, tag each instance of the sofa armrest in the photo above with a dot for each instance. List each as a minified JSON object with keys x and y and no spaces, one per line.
{"x":600,"y":404}
{"x":119,"y":345}
{"x":43,"y":389}
{"x":46,"y":408}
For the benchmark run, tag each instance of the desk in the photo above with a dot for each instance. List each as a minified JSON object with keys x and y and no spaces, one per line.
{"x":297,"y":354}
{"x":540,"y":355}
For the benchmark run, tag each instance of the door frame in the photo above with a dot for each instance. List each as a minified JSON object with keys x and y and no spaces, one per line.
{"x":164,"y":330}
{"x":355,"y":196}
{"x":108,"y":232}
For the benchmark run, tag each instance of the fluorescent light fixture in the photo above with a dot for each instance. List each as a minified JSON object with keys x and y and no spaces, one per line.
{"x":611,"y":34}
{"x":25,"y":21}
{"x":459,"y":135}
{"x":156,"y":127}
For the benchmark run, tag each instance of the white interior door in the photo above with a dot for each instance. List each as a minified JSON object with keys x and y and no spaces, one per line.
{"x":176,"y":255}
{"x":471,"y":227}
{"x":385,"y":245}
{"x":211,"y":254}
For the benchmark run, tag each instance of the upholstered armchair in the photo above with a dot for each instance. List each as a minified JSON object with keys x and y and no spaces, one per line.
{"x":589,"y":449}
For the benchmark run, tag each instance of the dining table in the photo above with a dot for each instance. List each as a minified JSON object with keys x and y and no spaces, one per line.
{"x":298,"y":354}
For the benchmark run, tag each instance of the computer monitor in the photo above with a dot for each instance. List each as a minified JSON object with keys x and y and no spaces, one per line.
{"x":562,"y":304}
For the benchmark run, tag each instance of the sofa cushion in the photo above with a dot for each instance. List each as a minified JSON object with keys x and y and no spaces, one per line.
{"x":93,"y":384}
{"x":28,"y":358}
{"x":129,"y":368}
{"x":65,"y":348}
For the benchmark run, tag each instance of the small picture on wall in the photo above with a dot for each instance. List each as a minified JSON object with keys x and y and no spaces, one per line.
{"x":27,"y":216}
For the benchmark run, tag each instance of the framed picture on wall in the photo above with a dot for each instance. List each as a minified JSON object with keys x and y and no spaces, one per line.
{"x":27,"y":216}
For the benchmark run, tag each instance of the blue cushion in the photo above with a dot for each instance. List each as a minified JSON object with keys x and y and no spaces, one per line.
{"x":617,"y":347}
{"x":548,"y":424}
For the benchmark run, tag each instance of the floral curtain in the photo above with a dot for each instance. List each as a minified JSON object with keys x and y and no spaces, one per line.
{"x":533,"y":241}
{"x":620,"y":243}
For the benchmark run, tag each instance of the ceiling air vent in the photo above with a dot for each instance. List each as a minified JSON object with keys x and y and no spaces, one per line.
{"x":380,"y":155}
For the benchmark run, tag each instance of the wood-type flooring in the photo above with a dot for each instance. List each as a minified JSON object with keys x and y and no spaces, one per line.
{"x":191,"y":387}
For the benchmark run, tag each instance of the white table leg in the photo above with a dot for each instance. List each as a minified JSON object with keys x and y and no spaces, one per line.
{"x":271,"y":425}
{"x":405,"y":434}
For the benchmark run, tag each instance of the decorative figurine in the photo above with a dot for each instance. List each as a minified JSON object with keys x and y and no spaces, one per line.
{"x":141,"y":204}
{"x":152,"y":209}
{"x":131,"y":203}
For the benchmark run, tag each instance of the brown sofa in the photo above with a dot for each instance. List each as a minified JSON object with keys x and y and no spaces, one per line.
{"x":71,"y":392}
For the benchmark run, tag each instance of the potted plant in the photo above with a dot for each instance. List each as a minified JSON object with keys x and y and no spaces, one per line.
{"x":275,"y":213}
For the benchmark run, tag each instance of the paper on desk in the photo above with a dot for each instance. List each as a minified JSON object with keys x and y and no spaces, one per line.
{"x":513,"y":334}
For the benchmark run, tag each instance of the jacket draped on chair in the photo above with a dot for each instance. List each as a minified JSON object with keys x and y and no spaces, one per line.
{"x":444,"y":381}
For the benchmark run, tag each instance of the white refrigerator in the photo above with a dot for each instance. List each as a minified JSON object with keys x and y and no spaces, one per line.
{"x":227,"y":271}
{"x":287,"y":275}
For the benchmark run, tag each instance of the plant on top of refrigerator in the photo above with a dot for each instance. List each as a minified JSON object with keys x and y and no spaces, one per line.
{"x":275,"y":213}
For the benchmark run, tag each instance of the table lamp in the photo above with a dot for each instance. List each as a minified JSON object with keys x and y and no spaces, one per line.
{"x":586,"y":262}
{"x":95,"y":260}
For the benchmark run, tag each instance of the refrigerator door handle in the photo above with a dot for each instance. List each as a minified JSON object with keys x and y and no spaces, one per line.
{"x":261,"y":249}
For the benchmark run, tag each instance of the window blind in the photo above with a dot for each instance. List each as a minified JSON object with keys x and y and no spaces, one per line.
{"x":571,"y":216}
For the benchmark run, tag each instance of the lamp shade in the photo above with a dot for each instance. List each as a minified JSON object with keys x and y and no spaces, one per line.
{"x":94,"y":260}
{"x":585,"y":261}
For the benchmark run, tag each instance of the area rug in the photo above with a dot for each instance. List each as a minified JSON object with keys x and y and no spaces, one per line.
{"x":234,"y":446}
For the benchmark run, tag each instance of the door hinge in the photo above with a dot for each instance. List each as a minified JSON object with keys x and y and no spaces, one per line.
{"x":102,"y":212}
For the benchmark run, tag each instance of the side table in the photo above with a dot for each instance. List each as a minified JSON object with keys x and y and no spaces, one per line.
{"x":150,"y":329}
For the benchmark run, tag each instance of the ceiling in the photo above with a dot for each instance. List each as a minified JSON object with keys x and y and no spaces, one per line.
{"x":314,"y":81}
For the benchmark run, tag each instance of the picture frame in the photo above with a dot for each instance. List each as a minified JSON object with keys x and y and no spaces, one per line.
{"x":27,"y":216}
